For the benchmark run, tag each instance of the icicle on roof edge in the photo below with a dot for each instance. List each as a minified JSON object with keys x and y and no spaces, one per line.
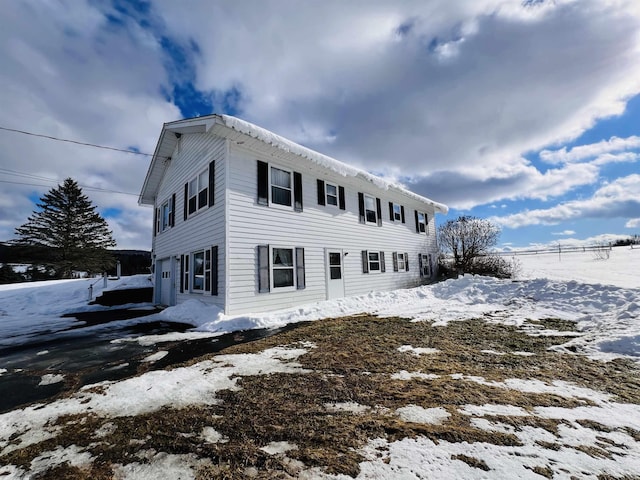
{"x":320,"y":159}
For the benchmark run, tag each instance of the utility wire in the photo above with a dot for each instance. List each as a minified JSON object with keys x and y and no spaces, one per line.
{"x":86,"y":187}
{"x":75,"y":141}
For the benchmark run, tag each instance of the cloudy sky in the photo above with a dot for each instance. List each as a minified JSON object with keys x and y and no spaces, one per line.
{"x":525,"y":112}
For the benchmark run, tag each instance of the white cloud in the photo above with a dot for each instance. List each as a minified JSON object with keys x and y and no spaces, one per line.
{"x":633,"y":223}
{"x":564,"y":233}
{"x":67,"y":72}
{"x":537,"y":85}
{"x":602,"y":150}
{"x":618,"y":199}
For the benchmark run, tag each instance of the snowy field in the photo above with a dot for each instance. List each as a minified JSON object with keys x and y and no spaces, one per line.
{"x":602,"y":296}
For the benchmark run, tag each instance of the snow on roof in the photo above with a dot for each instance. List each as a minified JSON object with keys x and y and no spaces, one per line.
{"x":320,"y":159}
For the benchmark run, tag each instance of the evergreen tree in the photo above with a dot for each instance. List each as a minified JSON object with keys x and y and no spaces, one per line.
{"x":68,"y":226}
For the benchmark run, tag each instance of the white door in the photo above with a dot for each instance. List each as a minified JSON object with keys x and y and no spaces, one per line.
{"x":335,"y":274}
{"x":166,"y":282}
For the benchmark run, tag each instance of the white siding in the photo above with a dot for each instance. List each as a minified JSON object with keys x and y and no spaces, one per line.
{"x":314,"y":229}
{"x":207,"y":227}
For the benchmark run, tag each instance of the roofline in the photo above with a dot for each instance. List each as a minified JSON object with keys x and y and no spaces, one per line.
{"x":206,"y":123}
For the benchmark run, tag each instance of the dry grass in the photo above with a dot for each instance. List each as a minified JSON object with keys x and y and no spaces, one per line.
{"x":352,"y":362}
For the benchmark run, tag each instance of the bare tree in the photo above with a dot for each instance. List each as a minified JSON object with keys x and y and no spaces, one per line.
{"x":466,"y":239}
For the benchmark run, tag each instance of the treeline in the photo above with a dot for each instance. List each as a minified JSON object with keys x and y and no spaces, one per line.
{"x":132,"y":262}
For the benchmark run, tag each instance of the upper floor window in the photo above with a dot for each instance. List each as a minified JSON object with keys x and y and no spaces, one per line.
{"x":396,"y":212}
{"x":166,"y":214}
{"x":279,"y":186}
{"x":199,"y":191}
{"x":421,"y":222}
{"x":331,"y":194}
{"x":370,"y":209}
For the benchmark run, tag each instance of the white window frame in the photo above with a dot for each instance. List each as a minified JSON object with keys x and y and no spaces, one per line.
{"x":273,"y":267}
{"x":402,"y":261}
{"x":272,"y":186}
{"x":372,"y":262}
{"x":366,"y":210}
{"x":422,"y":225}
{"x":165,"y":220}
{"x":194,"y":274}
{"x":198,"y":181}
{"x":333,"y":197}
{"x":425,"y":272}
{"x":397,"y":212}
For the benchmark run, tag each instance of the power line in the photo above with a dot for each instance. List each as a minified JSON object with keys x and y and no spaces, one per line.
{"x":57,"y":139}
{"x":86,"y":187}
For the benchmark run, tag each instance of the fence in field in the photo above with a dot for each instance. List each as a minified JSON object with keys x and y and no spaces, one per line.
{"x":556,"y":249}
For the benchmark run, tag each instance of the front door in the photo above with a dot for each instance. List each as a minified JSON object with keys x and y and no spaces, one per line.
{"x":166,"y":282}
{"x":335,"y":274}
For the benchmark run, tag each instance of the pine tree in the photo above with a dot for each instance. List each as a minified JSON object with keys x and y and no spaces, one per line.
{"x":68,"y":226}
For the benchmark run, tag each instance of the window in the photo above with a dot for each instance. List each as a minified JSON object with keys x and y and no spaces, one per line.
{"x":400,"y":262}
{"x":200,"y":271}
{"x":370,"y":209}
{"x":425,"y":265}
{"x":279,"y":186}
{"x":396,"y":212}
{"x":199,"y":192}
{"x":335,"y":266}
{"x":166,"y":214}
{"x":330,"y":194}
{"x":280,"y":268}
{"x":421,"y":222}
{"x":372,"y":262}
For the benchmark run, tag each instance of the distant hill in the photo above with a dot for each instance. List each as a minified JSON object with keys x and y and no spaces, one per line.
{"x":132,"y":261}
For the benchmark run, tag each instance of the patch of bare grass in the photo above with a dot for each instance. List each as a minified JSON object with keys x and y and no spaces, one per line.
{"x":352,"y":363}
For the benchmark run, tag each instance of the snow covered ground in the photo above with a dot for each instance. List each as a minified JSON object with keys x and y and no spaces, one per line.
{"x":603,"y":297}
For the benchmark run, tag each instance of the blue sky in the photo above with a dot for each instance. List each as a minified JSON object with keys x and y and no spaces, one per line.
{"x":526,"y":113}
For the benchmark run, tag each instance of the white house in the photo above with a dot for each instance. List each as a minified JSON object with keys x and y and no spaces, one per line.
{"x":250,"y":221}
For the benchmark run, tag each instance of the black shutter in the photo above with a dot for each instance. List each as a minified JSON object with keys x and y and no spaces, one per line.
{"x":186,"y":200}
{"x":402,"y":212}
{"x":214,"y":270}
{"x":300,"y":284}
{"x":365,"y":261}
{"x":382,"y":267}
{"x":172,"y":215}
{"x":391,"y":211}
{"x":212,"y":183}
{"x":188,"y":273}
{"x":417,"y":223}
{"x":297,"y":191}
{"x":155,"y":221}
{"x":361,"y":207}
{"x":395,"y":261}
{"x":379,"y":211}
{"x":420,"y":264}
{"x":406,"y":261}
{"x":181,"y":273}
{"x":341,"y":198}
{"x":264,"y":279}
{"x":321,"y":198}
{"x":263,"y":183}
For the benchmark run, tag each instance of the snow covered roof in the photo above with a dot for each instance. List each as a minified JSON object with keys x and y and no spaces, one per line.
{"x":166,"y":144}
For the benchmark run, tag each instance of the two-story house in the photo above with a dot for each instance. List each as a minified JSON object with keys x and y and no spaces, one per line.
{"x":250,"y":221}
